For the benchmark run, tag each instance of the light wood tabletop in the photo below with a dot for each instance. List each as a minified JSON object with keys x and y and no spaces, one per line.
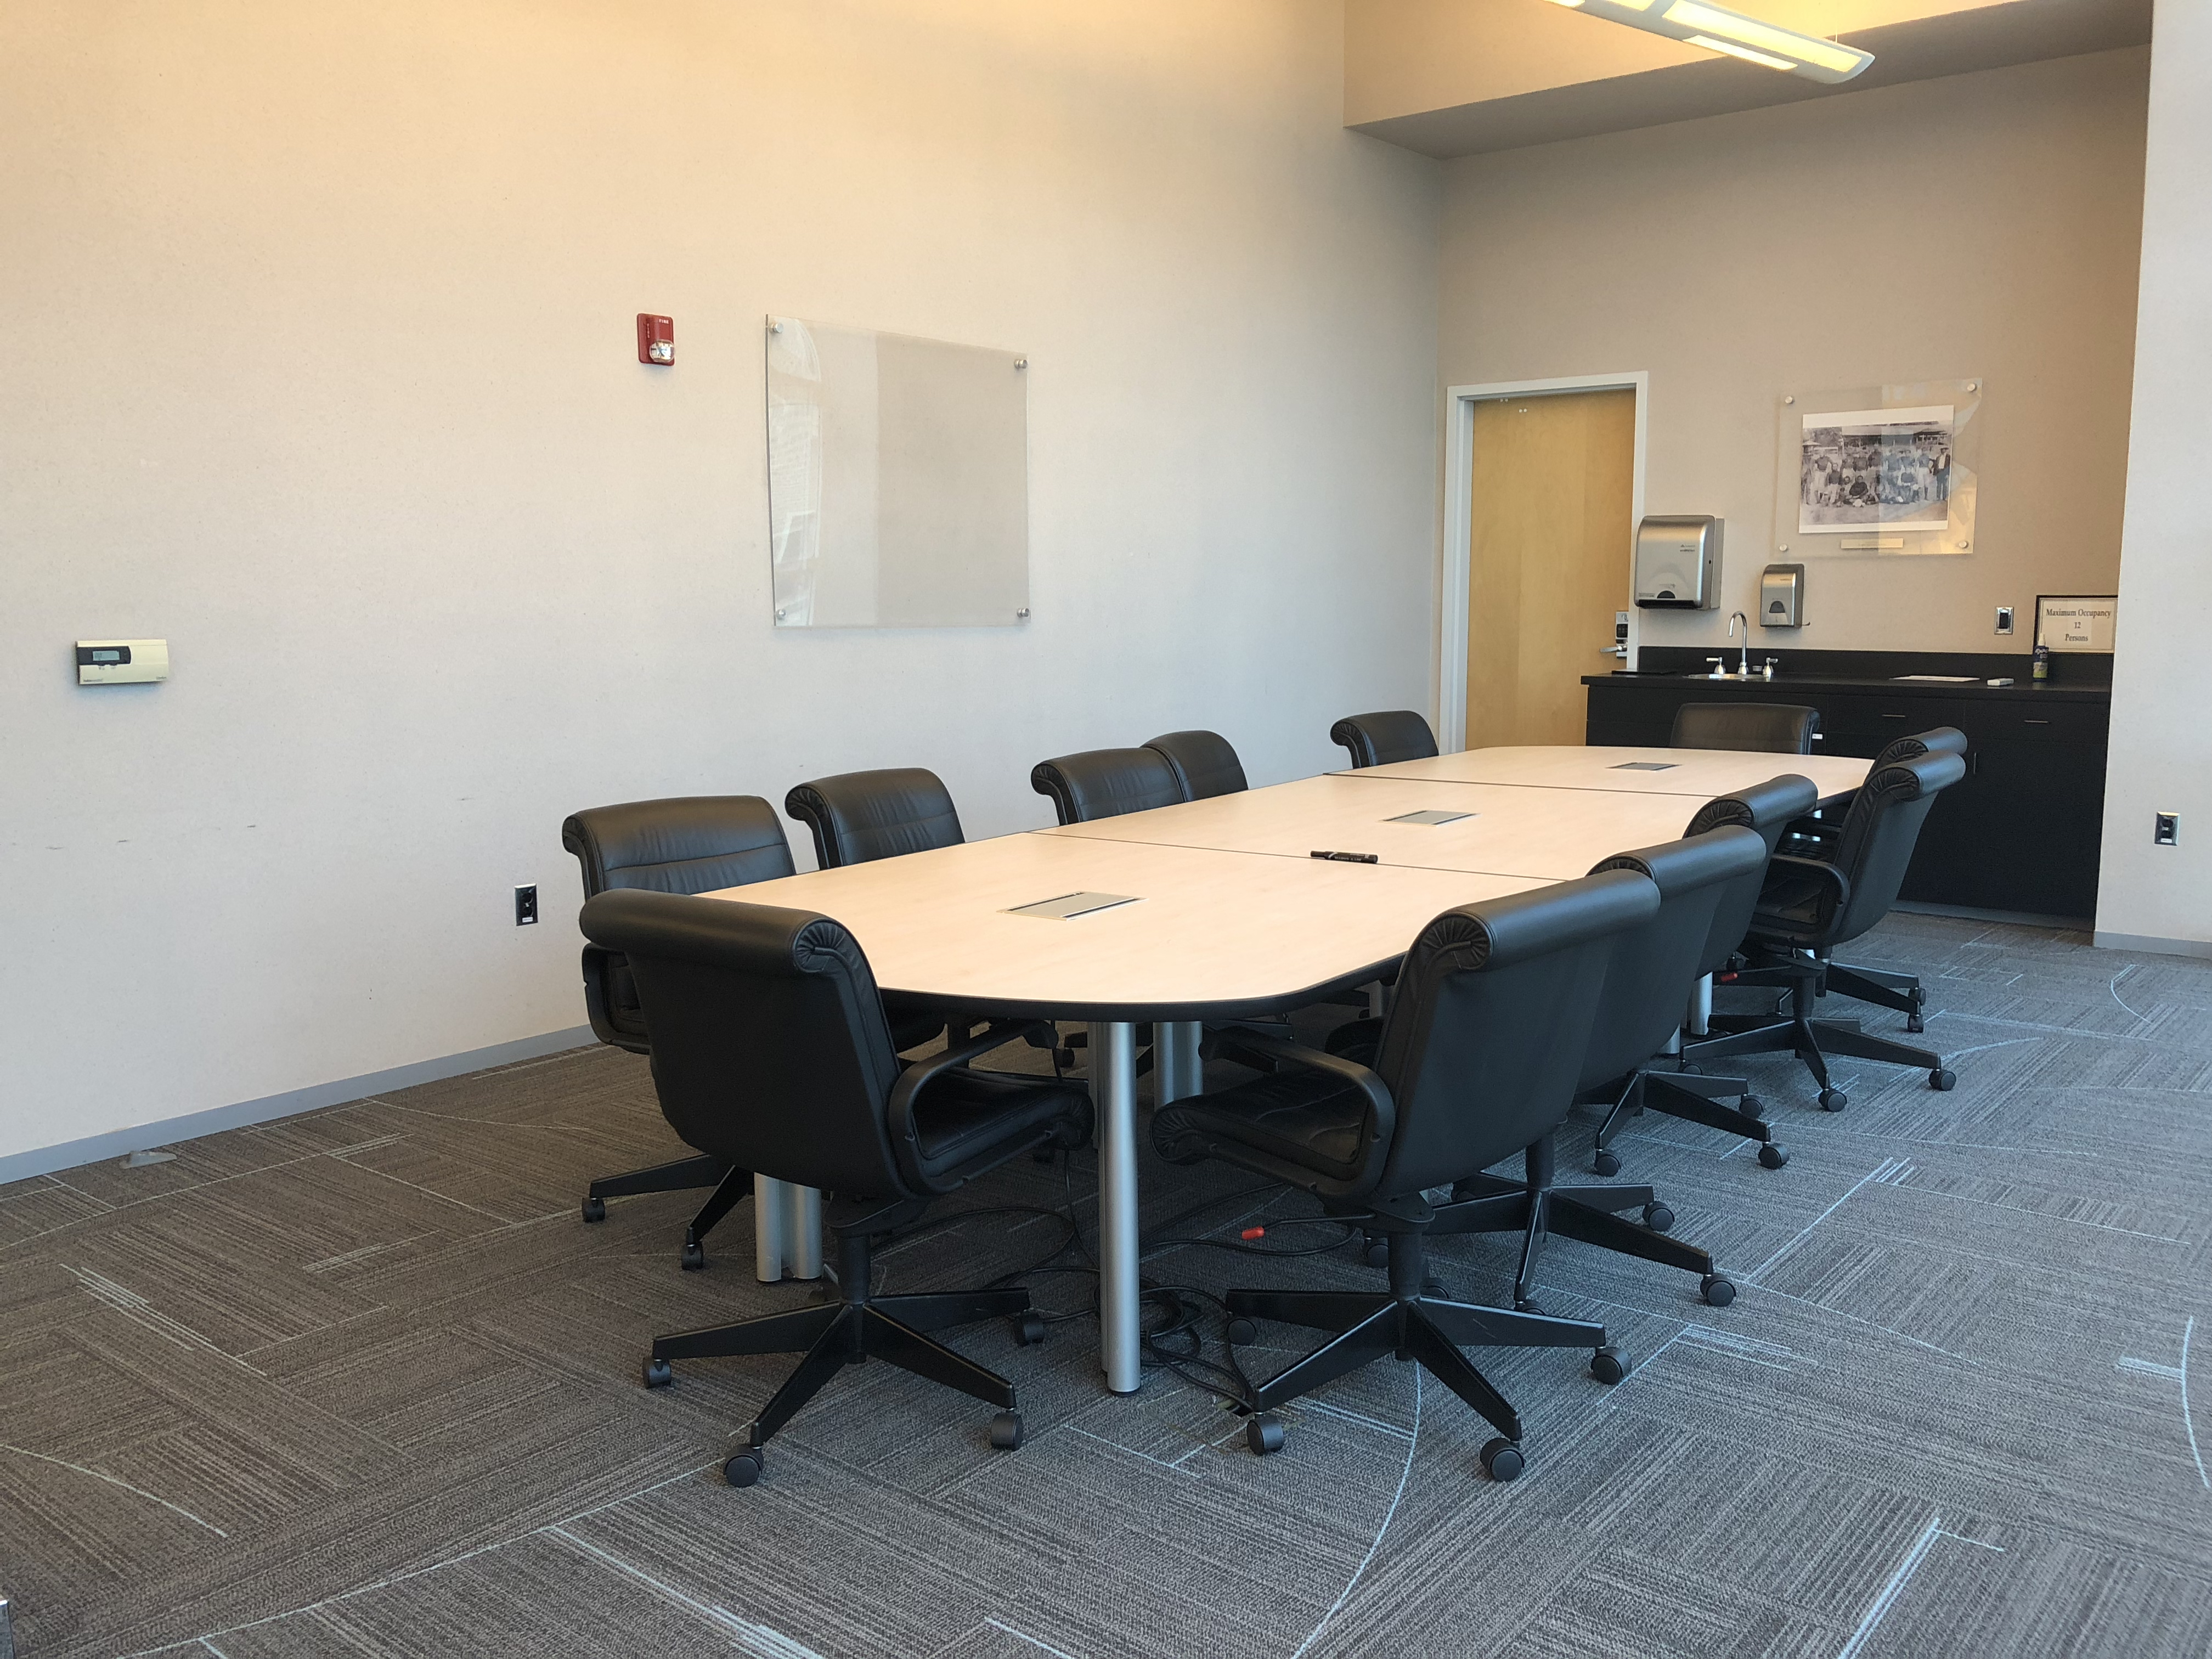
{"x":1702,"y":773}
{"x":1505,"y":830}
{"x":1209,"y":934}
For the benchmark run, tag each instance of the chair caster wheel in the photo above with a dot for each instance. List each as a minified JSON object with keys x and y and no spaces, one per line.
{"x":693,"y":1257}
{"x":1833,"y":1100}
{"x":1502,"y":1460}
{"x":1752,"y":1106}
{"x":1658,"y":1217}
{"x":1264,"y":1433}
{"x":1942,"y":1079}
{"x":595,"y":1209}
{"x":1029,"y":1328}
{"x":1006,"y":1431}
{"x":658,"y":1374}
{"x":1377,"y":1252}
{"x":1525,"y":1303}
{"x":1433,"y":1286}
{"x":1718,"y":1292}
{"x":1915,"y":1024}
{"x":1773,"y":1155}
{"x":744,"y":1468}
{"x":1609,"y":1363}
{"x":1605,"y":1163}
{"x":1241,"y":1330}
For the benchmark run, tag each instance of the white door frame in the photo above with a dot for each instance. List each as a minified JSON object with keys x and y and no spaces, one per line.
{"x":1459,"y":523}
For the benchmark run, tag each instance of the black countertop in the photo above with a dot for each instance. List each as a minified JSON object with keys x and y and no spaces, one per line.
{"x":2076,"y":677}
{"x":2049,"y":689}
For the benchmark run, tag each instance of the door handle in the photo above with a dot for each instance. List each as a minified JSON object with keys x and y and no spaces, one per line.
{"x":1897,"y":717}
{"x":2029,"y":722}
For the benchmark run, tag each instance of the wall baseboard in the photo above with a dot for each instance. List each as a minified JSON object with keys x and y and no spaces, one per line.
{"x":2151,"y":945}
{"x":117,"y":1143}
{"x":2011,"y":918}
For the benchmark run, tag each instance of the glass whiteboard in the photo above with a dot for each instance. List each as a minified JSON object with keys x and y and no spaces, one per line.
{"x":897,"y":480}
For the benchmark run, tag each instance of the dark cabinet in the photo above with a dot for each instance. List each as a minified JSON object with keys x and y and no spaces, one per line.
{"x":2020,"y":832}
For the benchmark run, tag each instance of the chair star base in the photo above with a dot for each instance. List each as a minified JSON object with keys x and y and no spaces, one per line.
{"x":1406,"y":1324}
{"x":1536,"y":1207}
{"x":833,"y":1335}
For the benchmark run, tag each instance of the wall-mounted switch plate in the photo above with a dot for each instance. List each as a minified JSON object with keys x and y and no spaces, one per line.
{"x":121,"y":662}
{"x":2165,"y":831}
{"x":526,"y":905}
{"x":2004,"y":619}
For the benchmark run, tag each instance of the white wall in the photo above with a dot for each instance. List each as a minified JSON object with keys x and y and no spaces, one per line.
{"x":2161,"y":756}
{"x":1986,"y":225}
{"x":318,"y":322}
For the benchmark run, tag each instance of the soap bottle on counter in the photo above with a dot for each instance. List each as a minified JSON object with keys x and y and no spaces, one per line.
{"x":2042,"y":670}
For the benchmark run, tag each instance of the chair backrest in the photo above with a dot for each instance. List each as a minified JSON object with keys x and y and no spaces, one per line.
{"x":1936,"y":740}
{"x":1881,"y":831}
{"x":1203,"y":762}
{"x":1654,"y":966}
{"x":858,"y":817}
{"x":770,"y":1046}
{"x":684,"y":844}
{"x":1774,"y":728}
{"x":1104,"y":783}
{"x":1766,"y":810}
{"x":1483,"y":1046}
{"x":1378,"y":739}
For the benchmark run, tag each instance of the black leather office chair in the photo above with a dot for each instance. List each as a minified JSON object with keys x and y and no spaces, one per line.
{"x":1649,"y":976}
{"x":686,"y":844}
{"x":770,"y":1049}
{"x":857,"y":816}
{"x":1204,"y":764}
{"x":1715,"y":868}
{"x":1765,"y":810}
{"x":1778,"y":728}
{"x":1397,"y":734}
{"x":1810,"y":906}
{"x":1477,"y":1059}
{"x":1818,"y":837}
{"x":1104,"y":783}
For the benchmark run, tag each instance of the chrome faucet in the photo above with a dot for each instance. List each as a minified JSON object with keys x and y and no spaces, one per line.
{"x":1743,"y":666}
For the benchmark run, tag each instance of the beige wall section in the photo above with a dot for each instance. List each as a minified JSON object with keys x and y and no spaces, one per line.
{"x":318,"y":324}
{"x":2161,"y":754}
{"x":1986,"y":225}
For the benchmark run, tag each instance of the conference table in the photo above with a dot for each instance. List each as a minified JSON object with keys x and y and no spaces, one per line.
{"x":1217,"y":909}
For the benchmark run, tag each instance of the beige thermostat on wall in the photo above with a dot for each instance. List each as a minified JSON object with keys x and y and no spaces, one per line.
{"x":121,"y":662}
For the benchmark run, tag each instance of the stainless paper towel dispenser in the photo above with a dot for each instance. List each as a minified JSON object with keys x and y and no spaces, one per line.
{"x":1782,"y":596}
{"x":1678,"y":563}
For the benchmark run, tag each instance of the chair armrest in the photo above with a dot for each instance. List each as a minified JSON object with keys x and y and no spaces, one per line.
{"x":600,"y":964}
{"x":918,"y":1076}
{"x":1381,"y":1110}
{"x":1835,"y":894}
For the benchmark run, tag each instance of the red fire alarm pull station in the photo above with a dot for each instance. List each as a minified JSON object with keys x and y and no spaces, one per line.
{"x":656,"y":339}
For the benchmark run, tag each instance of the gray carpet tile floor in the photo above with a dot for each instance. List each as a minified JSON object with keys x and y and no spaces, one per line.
{"x":363,"y":1382}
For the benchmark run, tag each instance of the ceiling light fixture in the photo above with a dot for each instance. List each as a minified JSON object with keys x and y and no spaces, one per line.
{"x":1718,"y":29}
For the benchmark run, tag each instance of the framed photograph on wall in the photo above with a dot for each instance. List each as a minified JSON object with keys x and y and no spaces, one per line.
{"x":1875,"y":469}
{"x":2075,"y":622}
{"x":1889,"y":469}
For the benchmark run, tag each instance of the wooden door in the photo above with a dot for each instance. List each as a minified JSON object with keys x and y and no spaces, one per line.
{"x":1548,"y":559}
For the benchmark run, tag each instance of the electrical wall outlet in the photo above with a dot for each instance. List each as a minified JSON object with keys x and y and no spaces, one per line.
{"x":2004,"y":619}
{"x":526,"y":905}
{"x":2166,"y":831}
